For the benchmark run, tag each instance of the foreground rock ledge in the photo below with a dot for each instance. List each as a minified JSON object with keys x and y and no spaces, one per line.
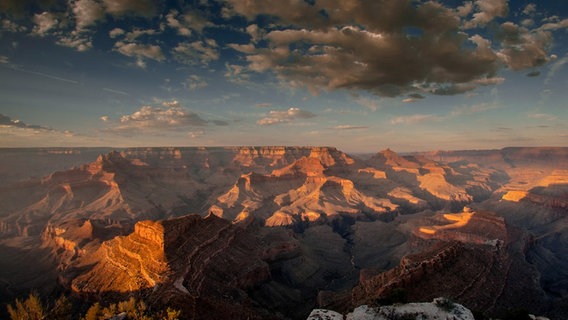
{"x":440,"y":308}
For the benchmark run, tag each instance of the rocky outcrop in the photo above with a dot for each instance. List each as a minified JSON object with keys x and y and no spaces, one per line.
{"x":184,"y":259}
{"x":439,"y":308}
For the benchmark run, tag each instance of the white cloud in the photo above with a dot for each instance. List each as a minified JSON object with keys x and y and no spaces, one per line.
{"x":197,"y":51}
{"x":144,"y":8}
{"x":171,"y":116}
{"x":530,"y":8}
{"x":256,"y":33}
{"x":487,"y":11}
{"x":554,"y":25}
{"x":140,"y":51}
{"x":349,"y":127}
{"x":44,"y":22}
{"x":413,"y":119}
{"x":11,"y":26}
{"x":116,"y":32}
{"x":522,"y":48}
{"x":276,"y":117}
{"x":187,"y":22}
{"x":75,"y":40}
{"x":87,"y":13}
{"x":243,"y":48}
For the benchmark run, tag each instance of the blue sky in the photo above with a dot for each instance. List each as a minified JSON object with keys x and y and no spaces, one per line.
{"x":360,"y":75}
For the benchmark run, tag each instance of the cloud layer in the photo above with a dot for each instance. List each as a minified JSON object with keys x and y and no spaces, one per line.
{"x":388,"y":48}
{"x":276,"y":116}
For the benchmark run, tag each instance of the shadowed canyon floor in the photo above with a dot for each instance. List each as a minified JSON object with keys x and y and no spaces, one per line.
{"x":273,"y":232}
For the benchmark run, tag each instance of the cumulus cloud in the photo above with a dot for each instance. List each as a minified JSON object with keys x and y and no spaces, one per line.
{"x":87,"y":13}
{"x":145,"y":8}
{"x":116,"y":32}
{"x":170,"y":116}
{"x":522,"y":48}
{"x":140,"y":51}
{"x":276,"y":116}
{"x":137,"y":33}
{"x":487,"y":11}
{"x":390,"y":47}
{"x":75,"y":40}
{"x":44,"y":22}
{"x":256,"y":33}
{"x":185,"y":23}
{"x":196,"y":52}
{"x":366,"y":45}
{"x":529,"y":9}
{"x":11,"y":26}
{"x":554,"y":24}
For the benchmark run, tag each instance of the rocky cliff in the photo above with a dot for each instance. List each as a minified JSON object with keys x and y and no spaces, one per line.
{"x":188,"y":262}
{"x":475,"y":260}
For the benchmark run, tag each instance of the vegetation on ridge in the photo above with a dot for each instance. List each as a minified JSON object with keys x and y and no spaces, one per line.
{"x":33,"y":308}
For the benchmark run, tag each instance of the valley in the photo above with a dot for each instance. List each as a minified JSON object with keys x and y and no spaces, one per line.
{"x":274,"y":232}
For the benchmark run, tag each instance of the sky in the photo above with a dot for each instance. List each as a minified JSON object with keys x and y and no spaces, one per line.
{"x":359,"y":75}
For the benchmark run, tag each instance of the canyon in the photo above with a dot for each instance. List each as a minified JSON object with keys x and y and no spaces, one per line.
{"x":274,"y":232}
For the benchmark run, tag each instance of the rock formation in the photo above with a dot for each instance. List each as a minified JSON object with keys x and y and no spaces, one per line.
{"x":301,"y":226}
{"x":187,"y":262}
{"x":439,"y":308}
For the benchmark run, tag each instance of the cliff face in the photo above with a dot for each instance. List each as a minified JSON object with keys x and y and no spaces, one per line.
{"x":477,"y":260}
{"x":183,"y":259}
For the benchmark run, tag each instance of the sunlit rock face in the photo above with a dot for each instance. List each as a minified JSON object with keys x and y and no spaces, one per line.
{"x":174,"y":260}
